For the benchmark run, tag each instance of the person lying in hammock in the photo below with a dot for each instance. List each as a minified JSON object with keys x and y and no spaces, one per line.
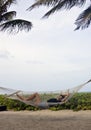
{"x":38,"y":102}
{"x":61,"y":98}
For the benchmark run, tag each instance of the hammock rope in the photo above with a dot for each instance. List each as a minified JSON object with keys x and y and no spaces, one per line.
{"x":44,"y":96}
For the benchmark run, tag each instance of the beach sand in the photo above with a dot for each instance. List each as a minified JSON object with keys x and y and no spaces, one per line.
{"x":45,"y":120}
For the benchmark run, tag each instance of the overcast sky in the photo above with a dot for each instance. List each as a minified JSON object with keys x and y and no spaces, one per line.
{"x":52,"y":56}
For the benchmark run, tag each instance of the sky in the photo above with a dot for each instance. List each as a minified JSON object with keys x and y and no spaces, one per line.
{"x":52,"y":56}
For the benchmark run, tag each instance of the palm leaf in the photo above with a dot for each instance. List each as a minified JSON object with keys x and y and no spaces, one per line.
{"x":43,"y":2}
{"x":34,"y":5}
{"x":4,"y":1}
{"x":84,"y":19}
{"x":14,"y":26}
{"x":59,"y":6}
{"x":4,"y":6}
{"x":65,"y":3}
{"x":7,"y":16}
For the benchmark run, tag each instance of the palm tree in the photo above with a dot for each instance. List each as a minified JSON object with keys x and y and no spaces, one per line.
{"x":84,"y":19}
{"x":7,"y":21}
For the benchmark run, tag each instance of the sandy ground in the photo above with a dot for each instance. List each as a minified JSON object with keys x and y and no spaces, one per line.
{"x":45,"y":120}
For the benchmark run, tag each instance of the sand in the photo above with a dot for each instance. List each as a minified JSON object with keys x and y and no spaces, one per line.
{"x":45,"y":120}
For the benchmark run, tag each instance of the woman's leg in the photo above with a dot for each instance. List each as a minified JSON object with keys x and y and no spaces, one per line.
{"x":22,"y":98}
{"x":33,"y":96}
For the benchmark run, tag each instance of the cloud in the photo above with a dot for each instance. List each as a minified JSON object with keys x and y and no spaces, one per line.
{"x":34,"y":62}
{"x":5,"y":55}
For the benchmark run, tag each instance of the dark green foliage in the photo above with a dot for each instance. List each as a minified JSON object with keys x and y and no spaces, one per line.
{"x":7,"y":19}
{"x":80,"y":101}
{"x":15,"y":104}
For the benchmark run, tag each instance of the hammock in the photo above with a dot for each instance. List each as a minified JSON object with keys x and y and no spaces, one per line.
{"x":44,"y":96}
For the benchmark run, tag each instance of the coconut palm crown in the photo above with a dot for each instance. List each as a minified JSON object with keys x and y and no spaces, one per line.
{"x":7,"y":21}
{"x":84,"y":19}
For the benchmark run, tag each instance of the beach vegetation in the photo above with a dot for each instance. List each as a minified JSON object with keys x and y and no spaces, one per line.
{"x":80,"y":101}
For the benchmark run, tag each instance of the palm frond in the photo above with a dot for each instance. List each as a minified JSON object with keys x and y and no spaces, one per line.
{"x":37,"y":4}
{"x":14,"y":26}
{"x":84,"y":19}
{"x":59,"y":6}
{"x":7,"y":16}
{"x":43,"y":2}
{"x":1,"y":1}
{"x":66,"y":4}
{"x":4,"y":7}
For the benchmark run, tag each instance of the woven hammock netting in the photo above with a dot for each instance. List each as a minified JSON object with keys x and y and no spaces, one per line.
{"x":44,"y":96}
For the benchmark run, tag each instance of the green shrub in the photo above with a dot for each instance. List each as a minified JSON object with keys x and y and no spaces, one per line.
{"x":80,"y":101}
